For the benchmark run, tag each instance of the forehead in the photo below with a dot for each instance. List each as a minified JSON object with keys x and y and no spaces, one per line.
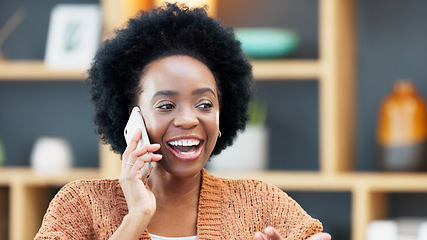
{"x":177,"y":72}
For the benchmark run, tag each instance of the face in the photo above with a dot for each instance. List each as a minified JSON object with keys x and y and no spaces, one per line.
{"x":179,"y":103}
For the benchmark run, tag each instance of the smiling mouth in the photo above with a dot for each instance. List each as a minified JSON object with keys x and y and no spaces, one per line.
{"x":186,"y":147}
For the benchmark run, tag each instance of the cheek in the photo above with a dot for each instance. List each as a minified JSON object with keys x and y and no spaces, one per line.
{"x":153,"y":125}
{"x":156,"y":128}
{"x":212,"y":126}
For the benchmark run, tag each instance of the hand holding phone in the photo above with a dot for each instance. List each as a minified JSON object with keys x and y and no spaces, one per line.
{"x":137,"y":122}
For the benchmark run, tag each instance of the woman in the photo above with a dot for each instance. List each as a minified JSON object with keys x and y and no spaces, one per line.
{"x":193,"y":84}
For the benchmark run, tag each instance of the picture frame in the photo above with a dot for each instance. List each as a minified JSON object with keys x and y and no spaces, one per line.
{"x":73,"y":36}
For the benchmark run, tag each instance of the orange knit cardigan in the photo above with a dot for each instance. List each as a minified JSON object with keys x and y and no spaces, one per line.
{"x":228,"y":209}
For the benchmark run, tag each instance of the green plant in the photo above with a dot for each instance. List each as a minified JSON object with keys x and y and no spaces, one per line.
{"x":257,"y":112}
{"x":2,"y":154}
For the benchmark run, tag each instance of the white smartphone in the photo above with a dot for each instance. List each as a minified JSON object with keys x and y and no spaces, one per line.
{"x":137,"y":122}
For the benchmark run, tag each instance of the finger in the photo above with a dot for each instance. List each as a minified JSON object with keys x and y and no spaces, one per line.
{"x":139,"y":153}
{"x":147,"y":149}
{"x":272,"y":233}
{"x":141,"y":161}
{"x":260,"y":236}
{"x":131,"y":147}
{"x":133,"y":143}
{"x":320,"y":236}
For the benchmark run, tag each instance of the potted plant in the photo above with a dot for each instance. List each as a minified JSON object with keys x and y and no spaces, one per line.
{"x":250,"y":149}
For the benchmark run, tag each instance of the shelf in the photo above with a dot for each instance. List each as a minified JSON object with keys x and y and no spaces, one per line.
{"x":262,"y":70}
{"x":287,"y":180}
{"x":286,"y":69}
{"x":36,"y":71}
{"x":26,"y":176}
{"x":315,"y":181}
{"x":294,"y":180}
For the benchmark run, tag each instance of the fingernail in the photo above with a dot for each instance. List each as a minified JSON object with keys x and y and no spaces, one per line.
{"x":258,"y":236}
{"x":269,"y":231}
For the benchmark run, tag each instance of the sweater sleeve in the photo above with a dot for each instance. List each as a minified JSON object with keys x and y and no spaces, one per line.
{"x":67,"y":217}
{"x":251,"y":205}
{"x":288,"y":217}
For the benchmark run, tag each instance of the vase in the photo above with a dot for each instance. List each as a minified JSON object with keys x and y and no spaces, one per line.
{"x":402,"y":130}
{"x":51,"y":155}
{"x":248,"y":153}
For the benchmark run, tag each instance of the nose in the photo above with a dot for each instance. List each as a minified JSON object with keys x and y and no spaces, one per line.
{"x":186,"y":118}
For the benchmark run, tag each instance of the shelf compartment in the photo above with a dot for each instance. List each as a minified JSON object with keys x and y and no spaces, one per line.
{"x":35,"y":70}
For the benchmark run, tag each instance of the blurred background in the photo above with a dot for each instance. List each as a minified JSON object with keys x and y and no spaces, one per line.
{"x":391,"y":44}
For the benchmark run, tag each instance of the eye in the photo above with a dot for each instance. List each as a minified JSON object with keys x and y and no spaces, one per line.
{"x":165,"y":106}
{"x":205,"y":105}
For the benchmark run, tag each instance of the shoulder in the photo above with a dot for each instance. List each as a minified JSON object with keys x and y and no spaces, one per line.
{"x":81,"y":205}
{"x":89,"y":188}
{"x":88,"y":184}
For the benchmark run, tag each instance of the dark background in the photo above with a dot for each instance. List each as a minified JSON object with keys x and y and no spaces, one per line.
{"x":391,"y":44}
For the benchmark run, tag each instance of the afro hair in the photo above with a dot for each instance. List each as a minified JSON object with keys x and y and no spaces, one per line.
{"x":173,"y":29}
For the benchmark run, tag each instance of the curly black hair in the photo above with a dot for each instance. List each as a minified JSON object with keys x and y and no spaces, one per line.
{"x":165,"y":31}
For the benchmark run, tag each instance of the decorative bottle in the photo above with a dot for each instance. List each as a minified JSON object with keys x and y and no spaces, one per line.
{"x":402,"y":130}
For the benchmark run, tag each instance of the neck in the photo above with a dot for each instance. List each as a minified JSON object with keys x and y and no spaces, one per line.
{"x":180,"y":191}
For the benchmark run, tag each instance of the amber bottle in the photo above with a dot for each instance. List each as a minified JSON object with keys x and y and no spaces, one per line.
{"x":402,"y":130}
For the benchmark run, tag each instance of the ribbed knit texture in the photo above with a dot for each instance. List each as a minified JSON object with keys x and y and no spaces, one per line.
{"x":228,"y":209}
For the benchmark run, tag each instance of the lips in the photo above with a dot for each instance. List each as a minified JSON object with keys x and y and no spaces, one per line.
{"x":186,"y":149}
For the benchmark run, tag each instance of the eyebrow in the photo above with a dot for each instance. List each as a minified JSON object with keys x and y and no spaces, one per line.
{"x":166,"y":92}
{"x":175,"y":93}
{"x":203,"y":90}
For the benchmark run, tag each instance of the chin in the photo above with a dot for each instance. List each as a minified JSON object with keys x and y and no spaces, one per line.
{"x":183,"y":170}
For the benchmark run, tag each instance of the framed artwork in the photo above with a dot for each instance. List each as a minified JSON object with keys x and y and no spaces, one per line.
{"x":73,"y":36}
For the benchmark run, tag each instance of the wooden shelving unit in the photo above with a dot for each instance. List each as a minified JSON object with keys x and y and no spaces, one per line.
{"x":27,"y":194}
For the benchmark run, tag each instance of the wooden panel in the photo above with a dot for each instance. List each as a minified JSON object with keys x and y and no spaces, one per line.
{"x":367,"y":206}
{"x":35,"y":70}
{"x":263,"y":70}
{"x":9,"y":175}
{"x":286,"y":69}
{"x":295,"y":181}
{"x":33,"y":206}
{"x":337,"y":56}
{"x":315,"y":181}
{"x":110,"y":164}
{"x":27,"y":208}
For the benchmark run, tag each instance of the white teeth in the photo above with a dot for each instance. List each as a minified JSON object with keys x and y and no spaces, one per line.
{"x":185,"y":143}
{"x":188,"y":153}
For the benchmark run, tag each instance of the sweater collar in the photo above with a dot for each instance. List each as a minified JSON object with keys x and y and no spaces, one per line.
{"x":209,"y":216}
{"x":210,"y":207}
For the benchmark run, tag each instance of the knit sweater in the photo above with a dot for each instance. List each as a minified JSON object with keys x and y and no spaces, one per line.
{"x":228,"y":209}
